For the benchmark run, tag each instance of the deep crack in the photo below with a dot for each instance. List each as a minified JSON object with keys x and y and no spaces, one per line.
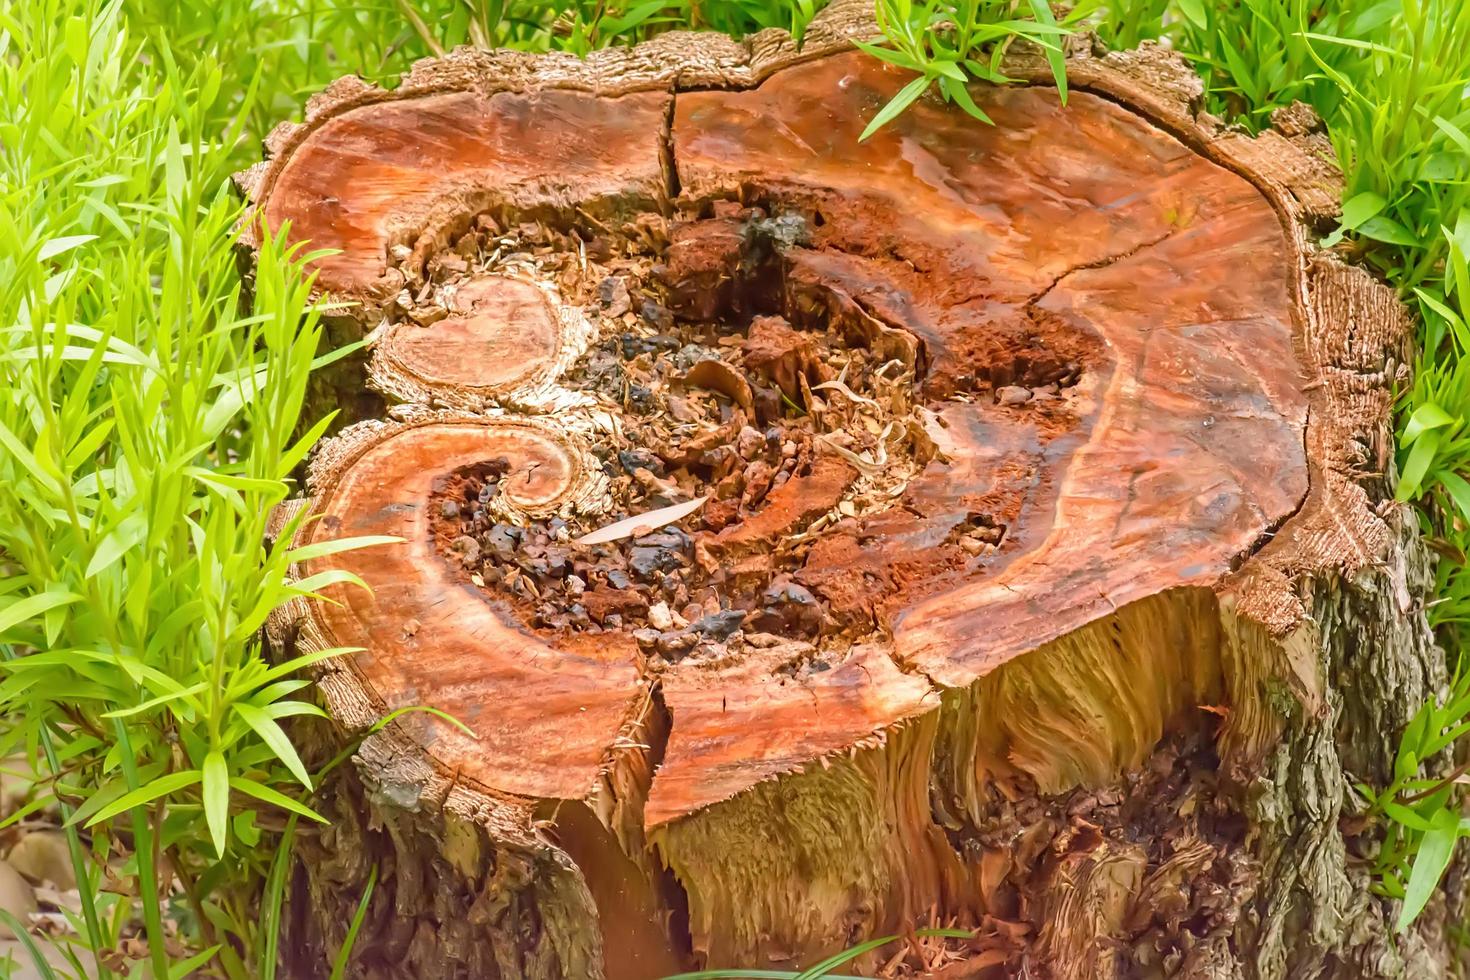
{"x":1098,"y":264}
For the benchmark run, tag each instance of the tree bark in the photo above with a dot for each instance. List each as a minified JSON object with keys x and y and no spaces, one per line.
{"x":1047,"y":582}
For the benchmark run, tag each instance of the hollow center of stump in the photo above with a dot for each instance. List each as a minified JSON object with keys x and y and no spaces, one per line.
{"x":817,"y":434}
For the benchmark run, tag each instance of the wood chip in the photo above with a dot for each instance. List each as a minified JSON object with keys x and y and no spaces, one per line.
{"x":719,"y":376}
{"x":640,"y":524}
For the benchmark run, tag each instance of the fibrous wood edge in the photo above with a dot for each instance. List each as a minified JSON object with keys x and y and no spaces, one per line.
{"x":1353,"y":334}
{"x":1335,"y":599}
{"x":393,"y":787}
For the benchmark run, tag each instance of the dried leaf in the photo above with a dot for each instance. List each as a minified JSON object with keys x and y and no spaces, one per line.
{"x":865,"y":466}
{"x":719,"y":376}
{"x":640,"y":524}
{"x":852,"y":396}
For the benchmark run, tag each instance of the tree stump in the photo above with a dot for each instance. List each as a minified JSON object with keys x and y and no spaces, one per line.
{"x":1036,"y":571}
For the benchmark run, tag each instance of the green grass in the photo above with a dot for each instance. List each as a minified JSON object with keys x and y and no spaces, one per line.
{"x":948,"y":44}
{"x":146,"y":430}
{"x":148,"y":411}
{"x":1400,"y":132}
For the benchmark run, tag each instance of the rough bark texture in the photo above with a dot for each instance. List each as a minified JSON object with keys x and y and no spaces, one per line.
{"x":1097,"y":632}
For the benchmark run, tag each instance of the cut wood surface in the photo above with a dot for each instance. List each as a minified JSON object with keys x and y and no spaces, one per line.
{"x":497,"y":333}
{"x":1017,"y":440}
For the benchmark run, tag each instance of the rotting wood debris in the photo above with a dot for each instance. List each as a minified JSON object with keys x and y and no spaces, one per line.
{"x":790,"y":432}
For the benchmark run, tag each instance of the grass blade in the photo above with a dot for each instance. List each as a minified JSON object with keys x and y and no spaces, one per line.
{"x":339,"y":965}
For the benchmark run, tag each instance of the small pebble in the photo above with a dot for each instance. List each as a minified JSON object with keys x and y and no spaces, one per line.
{"x":641,"y":400}
{"x":749,"y":443}
{"x":558,"y":562}
{"x":720,"y":625}
{"x":659,"y":616}
{"x":502,"y":542}
{"x":612,"y":293}
{"x":676,"y":645}
{"x":646,"y":562}
{"x":688,"y":355}
{"x":640,"y":459}
{"x":1012,"y":395}
{"x":468,"y":548}
{"x":657,"y":314}
{"x":672,"y":538}
{"x":789,"y":609}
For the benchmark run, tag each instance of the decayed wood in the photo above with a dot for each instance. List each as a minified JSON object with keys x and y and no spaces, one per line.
{"x":1080,"y":683}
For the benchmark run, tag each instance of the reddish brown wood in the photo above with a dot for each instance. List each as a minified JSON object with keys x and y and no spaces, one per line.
{"x":565,"y":704}
{"x":1082,"y":235}
{"x":498,"y":332}
{"x":376,"y":177}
